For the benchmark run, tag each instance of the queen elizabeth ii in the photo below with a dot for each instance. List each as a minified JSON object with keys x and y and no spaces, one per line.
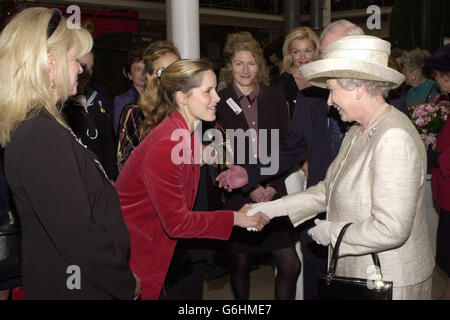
{"x":377,"y":180}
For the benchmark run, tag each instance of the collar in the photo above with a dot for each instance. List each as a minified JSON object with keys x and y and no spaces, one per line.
{"x":251,"y":97}
{"x":177,"y":118}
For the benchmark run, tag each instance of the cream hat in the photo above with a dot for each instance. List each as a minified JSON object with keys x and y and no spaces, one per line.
{"x":353,"y":57}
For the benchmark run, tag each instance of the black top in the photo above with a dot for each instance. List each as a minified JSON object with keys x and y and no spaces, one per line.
{"x":70,"y":215}
{"x":94,"y":127}
{"x":287,"y":84}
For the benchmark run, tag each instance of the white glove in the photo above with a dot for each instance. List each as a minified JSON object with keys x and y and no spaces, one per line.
{"x":321,"y":232}
{"x":271,"y":209}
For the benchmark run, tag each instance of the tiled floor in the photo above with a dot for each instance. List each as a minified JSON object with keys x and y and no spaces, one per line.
{"x":262,"y":285}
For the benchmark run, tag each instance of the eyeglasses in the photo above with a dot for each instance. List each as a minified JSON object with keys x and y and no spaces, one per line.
{"x":54,"y":22}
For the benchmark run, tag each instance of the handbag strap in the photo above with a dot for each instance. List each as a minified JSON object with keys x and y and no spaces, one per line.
{"x":334,"y":257}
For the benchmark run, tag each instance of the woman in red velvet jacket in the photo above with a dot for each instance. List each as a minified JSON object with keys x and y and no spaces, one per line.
{"x":438,"y":65}
{"x":158,"y":184}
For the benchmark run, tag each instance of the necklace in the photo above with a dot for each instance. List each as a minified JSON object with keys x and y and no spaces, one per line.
{"x":375,"y":117}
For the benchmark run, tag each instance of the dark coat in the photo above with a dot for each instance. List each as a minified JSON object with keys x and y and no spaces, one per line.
{"x":94,"y":128}
{"x":272,"y":114}
{"x":286,"y":82}
{"x":70,"y":215}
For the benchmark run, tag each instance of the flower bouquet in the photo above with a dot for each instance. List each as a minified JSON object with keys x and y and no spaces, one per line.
{"x":429,"y":120}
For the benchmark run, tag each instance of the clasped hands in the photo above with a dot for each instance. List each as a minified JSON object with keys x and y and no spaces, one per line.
{"x":320,"y":233}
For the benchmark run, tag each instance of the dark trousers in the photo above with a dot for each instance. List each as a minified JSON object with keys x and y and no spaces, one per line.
{"x":315,"y":258}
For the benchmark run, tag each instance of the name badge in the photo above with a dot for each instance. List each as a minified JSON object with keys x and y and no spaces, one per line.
{"x":234,"y":106}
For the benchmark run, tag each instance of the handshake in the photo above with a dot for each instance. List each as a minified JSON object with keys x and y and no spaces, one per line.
{"x":255,"y":216}
{"x":268,"y":210}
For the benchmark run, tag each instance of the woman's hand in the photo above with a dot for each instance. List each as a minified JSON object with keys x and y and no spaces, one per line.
{"x":270,"y":193}
{"x":258,"y":195}
{"x":321,"y":232}
{"x":137,"y":292}
{"x":256,"y":222}
{"x":233,"y":178}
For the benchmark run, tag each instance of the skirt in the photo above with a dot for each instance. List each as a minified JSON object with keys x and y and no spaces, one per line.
{"x":277,"y":234}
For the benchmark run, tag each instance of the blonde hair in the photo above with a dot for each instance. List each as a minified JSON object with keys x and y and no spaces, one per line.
{"x":241,"y":41}
{"x":24,"y":64}
{"x":183,"y":75}
{"x":299,"y":33}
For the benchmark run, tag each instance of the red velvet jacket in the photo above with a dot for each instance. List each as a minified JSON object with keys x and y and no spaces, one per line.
{"x":157,"y":196}
{"x":441,"y":175}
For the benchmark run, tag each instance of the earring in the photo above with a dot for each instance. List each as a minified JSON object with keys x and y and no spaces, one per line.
{"x":53,"y":84}
{"x":358,"y":97}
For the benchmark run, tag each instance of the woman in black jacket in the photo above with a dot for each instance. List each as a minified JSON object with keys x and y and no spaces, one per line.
{"x":300,"y":47}
{"x":74,"y":240}
{"x":249,"y":104}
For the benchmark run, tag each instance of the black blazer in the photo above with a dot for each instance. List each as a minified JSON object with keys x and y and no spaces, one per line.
{"x":286,"y":82}
{"x":70,"y":215}
{"x":100,"y":138}
{"x":272,"y":114}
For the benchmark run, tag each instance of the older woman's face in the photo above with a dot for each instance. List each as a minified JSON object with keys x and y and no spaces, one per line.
{"x":410,"y":77}
{"x":244,"y":68}
{"x":302,"y":52}
{"x":74,"y":68}
{"x":343,"y":100}
{"x":444,"y":81}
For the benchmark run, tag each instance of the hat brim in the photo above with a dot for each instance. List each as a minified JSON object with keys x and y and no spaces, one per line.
{"x":318,"y":72}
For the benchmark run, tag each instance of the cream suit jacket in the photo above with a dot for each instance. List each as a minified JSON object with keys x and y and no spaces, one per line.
{"x":376,"y":182}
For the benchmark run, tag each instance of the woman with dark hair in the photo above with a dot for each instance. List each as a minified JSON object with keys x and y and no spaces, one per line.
{"x":248,"y":103}
{"x":439,"y":66}
{"x":134,"y":70}
{"x":135,"y":119}
{"x":158,"y":184}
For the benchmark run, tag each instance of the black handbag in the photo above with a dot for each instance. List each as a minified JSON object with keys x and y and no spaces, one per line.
{"x":10,"y":245}
{"x":331,"y":287}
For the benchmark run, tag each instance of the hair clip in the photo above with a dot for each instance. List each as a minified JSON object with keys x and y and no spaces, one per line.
{"x":160,"y":72}
{"x":54,"y":21}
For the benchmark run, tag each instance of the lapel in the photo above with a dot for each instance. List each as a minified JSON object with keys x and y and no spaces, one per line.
{"x":234,"y":121}
{"x":264,"y":108}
